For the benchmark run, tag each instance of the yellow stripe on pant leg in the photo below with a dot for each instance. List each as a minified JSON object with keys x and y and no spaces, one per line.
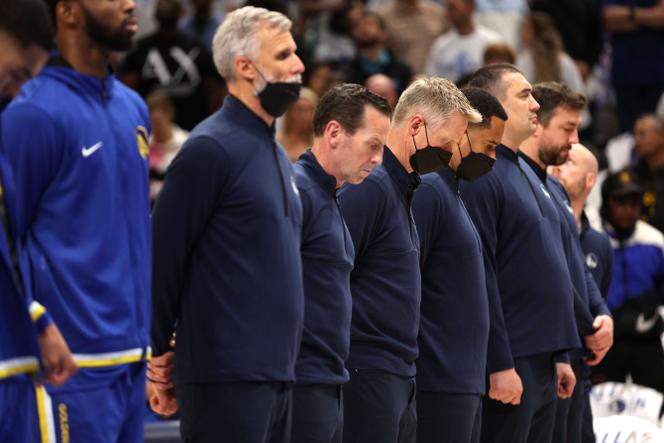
{"x":41,"y":411}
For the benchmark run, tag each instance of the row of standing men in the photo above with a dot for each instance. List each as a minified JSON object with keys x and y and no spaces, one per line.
{"x":314,"y":303}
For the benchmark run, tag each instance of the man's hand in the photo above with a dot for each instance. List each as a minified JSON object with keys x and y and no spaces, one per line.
{"x":163,"y":402}
{"x":58,"y":362}
{"x":601,"y":341}
{"x":566,"y":380}
{"x":505,"y":386}
{"x":160,"y":371}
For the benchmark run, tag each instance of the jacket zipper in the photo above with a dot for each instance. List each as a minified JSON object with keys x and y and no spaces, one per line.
{"x":281,"y":179}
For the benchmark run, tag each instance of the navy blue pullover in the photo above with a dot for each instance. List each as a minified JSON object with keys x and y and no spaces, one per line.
{"x":327,"y":260}
{"x":531,"y":306}
{"x":227,"y":264}
{"x":582,"y":279}
{"x":385,"y":282}
{"x":599,"y":255}
{"x":454,"y":325}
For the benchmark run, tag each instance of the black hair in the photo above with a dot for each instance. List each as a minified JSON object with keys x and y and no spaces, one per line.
{"x":28,"y":22}
{"x":345,"y":103}
{"x":486,"y":104}
{"x":490,"y":78}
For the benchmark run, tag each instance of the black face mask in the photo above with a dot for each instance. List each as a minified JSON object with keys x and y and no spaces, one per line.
{"x":277,"y":97}
{"x":429,"y":158}
{"x":474,"y":165}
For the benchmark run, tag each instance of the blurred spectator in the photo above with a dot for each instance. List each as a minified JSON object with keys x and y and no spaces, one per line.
{"x":327,"y":29}
{"x":298,"y":132}
{"x":203,"y":23}
{"x":373,"y":57}
{"x":580,"y":25}
{"x":503,"y":16}
{"x":173,"y":62}
{"x":320,"y":77}
{"x":649,"y":169}
{"x":165,"y":141}
{"x":625,"y":149}
{"x":543,"y":58}
{"x":412,"y":26}
{"x":384,"y":86}
{"x":499,"y":53}
{"x":459,"y":51}
{"x":637,"y":42}
{"x":636,"y":290}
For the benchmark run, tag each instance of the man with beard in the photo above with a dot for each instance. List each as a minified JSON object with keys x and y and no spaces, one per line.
{"x":531,"y":301}
{"x":578,"y":176}
{"x":227,"y":268}
{"x":451,"y":368}
{"x":430,"y":118}
{"x":77,"y":141}
{"x":557,"y":128}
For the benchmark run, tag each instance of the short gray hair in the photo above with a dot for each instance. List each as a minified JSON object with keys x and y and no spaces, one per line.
{"x":238,"y":36}
{"x":437,"y":99}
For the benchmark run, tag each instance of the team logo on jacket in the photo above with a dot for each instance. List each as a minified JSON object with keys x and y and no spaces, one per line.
{"x":591,"y":260}
{"x":142,"y":140}
{"x":292,"y":182}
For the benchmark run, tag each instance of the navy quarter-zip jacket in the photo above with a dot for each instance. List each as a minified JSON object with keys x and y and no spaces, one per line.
{"x":582,"y":279}
{"x":227,"y":266}
{"x":454,"y":325}
{"x":327,"y":260}
{"x":530,"y":293}
{"x":385,"y":283}
{"x":598,"y":255}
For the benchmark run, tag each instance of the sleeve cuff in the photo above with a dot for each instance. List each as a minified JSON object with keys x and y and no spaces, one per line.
{"x":563,"y":357}
{"x":40,"y":317}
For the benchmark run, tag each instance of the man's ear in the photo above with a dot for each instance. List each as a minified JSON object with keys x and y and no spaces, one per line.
{"x":333,"y":132}
{"x":245,"y":69}
{"x":415,"y":123}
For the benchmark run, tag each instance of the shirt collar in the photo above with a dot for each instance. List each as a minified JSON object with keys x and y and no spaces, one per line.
{"x":503,"y":151}
{"x":449,"y":177}
{"x":407,"y":183}
{"x":317,"y":173}
{"x":541,"y":173}
{"x":238,"y":111}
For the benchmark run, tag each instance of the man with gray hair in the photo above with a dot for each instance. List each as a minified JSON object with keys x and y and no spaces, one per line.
{"x":379,"y":400}
{"x":227,"y":267}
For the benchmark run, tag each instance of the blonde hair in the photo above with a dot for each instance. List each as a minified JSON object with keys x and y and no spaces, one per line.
{"x":238,"y":36}
{"x":437,"y":99}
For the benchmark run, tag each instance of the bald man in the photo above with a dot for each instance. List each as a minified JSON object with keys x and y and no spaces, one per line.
{"x":578,"y":175}
{"x":384,"y":86}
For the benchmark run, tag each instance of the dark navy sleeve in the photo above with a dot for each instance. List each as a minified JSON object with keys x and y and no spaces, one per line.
{"x":362,"y":207}
{"x":190,"y":194}
{"x":595,"y":299}
{"x":34,"y":151}
{"x":483,"y":200}
{"x":607,"y":257}
{"x":427,"y":212}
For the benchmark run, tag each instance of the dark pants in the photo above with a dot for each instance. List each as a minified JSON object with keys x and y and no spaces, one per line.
{"x":449,"y":418}
{"x":318,"y":414}
{"x":242,"y":412}
{"x":379,"y":408}
{"x":587,"y":429}
{"x":533,"y":419}
{"x":570,"y":413}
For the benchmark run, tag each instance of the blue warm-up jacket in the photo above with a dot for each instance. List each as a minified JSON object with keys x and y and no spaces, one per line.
{"x":327,"y":260}
{"x":79,"y":152}
{"x":227,"y":272}
{"x":531,"y":298}
{"x":454,"y":325}
{"x":385,"y":282}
